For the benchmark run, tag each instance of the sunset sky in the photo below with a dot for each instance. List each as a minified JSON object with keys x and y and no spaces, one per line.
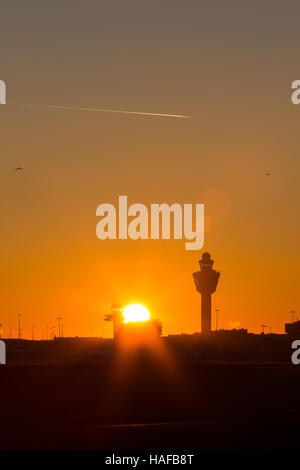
{"x":229,"y":65}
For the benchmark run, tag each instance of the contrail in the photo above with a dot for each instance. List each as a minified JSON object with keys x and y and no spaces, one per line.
{"x":102,"y":110}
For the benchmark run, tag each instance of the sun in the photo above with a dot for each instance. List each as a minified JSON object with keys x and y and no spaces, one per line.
{"x":135,"y":312}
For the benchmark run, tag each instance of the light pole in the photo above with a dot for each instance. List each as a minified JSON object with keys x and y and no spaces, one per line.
{"x":59,"y":320}
{"x":263,"y":328}
{"x":292,"y":312}
{"x":217,"y":319}
{"x":19,"y":325}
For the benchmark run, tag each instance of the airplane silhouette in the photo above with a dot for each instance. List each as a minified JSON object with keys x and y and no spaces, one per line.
{"x":267,"y":174}
{"x":18,"y":168}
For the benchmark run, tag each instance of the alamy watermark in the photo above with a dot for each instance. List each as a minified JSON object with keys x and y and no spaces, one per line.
{"x":159,"y":222}
{"x":296,"y":354}
{"x":2,"y":92}
{"x":295,"y":96}
{"x":2,"y":352}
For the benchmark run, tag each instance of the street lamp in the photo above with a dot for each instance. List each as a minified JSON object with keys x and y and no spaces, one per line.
{"x":59,"y":320}
{"x":217,"y":319}
{"x":19,"y":325}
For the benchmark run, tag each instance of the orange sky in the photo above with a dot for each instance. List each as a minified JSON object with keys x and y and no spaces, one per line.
{"x":230,"y":68}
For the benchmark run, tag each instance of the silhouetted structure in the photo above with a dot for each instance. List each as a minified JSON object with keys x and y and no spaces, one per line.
{"x":293,"y":329}
{"x":206,"y":281}
{"x":116,"y":317}
{"x":132,"y":329}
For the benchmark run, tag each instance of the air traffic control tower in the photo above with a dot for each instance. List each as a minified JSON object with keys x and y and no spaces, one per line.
{"x":206,"y":281}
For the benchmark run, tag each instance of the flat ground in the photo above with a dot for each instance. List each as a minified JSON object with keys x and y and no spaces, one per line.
{"x":143,"y":403}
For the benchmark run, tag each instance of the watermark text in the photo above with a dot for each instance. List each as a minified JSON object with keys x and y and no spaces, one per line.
{"x":162,"y":221}
{"x":2,"y":352}
{"x":2,"y":92}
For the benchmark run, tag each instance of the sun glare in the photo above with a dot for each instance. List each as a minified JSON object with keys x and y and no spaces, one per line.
{"x":135,"y":312}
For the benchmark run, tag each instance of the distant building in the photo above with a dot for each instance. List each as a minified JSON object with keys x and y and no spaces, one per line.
{"x":140,"y":330}
{"x":132,"y":329}
{"x":293,"y":329}
{"x":234,"y":331}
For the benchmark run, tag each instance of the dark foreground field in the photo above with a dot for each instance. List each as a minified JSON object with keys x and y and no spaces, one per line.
{"x":143,"y":403}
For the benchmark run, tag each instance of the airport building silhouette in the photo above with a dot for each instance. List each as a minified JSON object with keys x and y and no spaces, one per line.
{"x":206,"y":281}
